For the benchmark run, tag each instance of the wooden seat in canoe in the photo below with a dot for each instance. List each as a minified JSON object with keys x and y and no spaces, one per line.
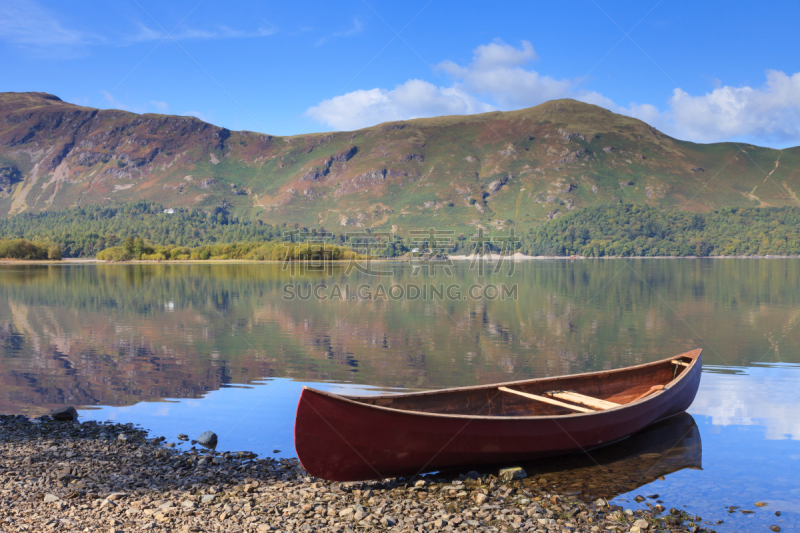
{"x":545,"y":399}
{"x":582,"y":399}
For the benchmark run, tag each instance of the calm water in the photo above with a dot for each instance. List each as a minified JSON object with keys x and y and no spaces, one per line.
{"x":227,"y":347}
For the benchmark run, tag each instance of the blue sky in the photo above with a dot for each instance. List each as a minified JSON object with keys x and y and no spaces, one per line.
{"x":708,"y":71}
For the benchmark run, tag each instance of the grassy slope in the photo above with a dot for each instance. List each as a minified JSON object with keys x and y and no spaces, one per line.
{"x":558,"y":156}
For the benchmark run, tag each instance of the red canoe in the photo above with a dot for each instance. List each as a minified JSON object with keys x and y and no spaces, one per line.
{"x":352,"y":438}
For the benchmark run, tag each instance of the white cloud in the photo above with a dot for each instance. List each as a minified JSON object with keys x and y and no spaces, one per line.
{"x":413,"y":99}
{"x":771,"y":113}
{"x":161,"y":106}
{"x":495,"y":79}
{"x":222,"y":32}
{"x":499,"y":77}
{"x":29,"y":26}
{"x":497,"y":71}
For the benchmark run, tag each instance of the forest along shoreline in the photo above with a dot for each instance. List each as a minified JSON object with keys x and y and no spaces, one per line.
{"x":90,"y":475}
{"x":516,"y":257}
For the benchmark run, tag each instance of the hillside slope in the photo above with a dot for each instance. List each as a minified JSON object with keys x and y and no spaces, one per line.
{"x":520,"y":167}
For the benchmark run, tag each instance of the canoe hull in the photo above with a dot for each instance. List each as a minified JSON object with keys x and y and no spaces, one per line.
{"x":343,"y":440}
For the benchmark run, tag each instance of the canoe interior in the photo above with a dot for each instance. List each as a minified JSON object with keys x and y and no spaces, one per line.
{"x":620,"y":387}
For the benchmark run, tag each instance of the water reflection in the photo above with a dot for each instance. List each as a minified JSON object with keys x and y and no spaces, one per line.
{"x":661,"y":449}
{"x":768,"y":399}
{"x":118,"y":334}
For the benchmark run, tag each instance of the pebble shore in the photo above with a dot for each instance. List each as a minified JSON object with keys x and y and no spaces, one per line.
{"x":70,"y":476}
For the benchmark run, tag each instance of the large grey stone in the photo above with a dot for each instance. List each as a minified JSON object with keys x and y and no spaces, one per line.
{"x":207,"y":438}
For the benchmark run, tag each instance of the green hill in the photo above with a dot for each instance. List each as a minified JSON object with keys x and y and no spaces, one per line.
{"x":496,"y":169}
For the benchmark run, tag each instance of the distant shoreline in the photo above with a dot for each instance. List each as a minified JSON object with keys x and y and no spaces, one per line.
{"x":492,"y":259}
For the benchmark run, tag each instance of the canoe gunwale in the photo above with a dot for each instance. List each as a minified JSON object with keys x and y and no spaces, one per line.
{"x":693,"y":354}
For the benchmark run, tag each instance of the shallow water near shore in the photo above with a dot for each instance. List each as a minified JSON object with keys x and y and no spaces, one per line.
{"x":189,"y":348}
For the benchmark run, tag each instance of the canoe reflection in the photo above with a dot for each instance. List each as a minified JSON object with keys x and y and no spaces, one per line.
{"x":659,"y":450}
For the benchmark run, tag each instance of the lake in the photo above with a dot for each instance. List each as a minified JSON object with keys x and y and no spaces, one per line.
{"x":184,"y":348}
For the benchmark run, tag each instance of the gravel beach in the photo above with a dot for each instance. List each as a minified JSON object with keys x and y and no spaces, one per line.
{"x":70,"y":476}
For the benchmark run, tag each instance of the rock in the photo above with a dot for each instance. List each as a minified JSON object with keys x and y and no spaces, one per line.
{"x":774,"y":528}
{"x":480,"y":498}
{"x":50,"y":498}
{"x":246,"y":455}
{"x":496,"y":185}
{"x":659,"y":508}
{"x":115,"y":496}
{"x":188,"y":504}
{"x":439,"y":523}
{"x":65,"y":414}
{"x":639,"y":499}
{"x":388,"y":521}
{"x":600,"y":502}
{"x":761,"y":504}
{"x":207,"y":498}
{"x":359,"y":515}
{"x":207,"y":438}
{"x":64,"y":476}
{"x":641,"y":524}
{"x":183,"y":437}
{"x":276,"y":451}
{"x":122,"y":437}
{"x":509,"y":474}
{"x":472,"y":474}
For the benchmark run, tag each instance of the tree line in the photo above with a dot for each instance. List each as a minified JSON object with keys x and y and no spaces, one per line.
{"x":143,"y":230}
{"x":634,"y":230}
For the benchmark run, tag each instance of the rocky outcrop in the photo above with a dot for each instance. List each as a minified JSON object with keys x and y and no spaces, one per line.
{"x":345,"y":155}
{"x":318,"y":172}
{"x":572,"y":157}
{"x":361,"y":182}
{"x":419,"y":158}
{"x":496,"y":185}
{"x":566,"y":136}
{"x":315,"y":174}
{"x":9,"y":175}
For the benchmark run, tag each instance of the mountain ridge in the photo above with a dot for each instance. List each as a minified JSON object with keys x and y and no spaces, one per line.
{"x":495,"y":169}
